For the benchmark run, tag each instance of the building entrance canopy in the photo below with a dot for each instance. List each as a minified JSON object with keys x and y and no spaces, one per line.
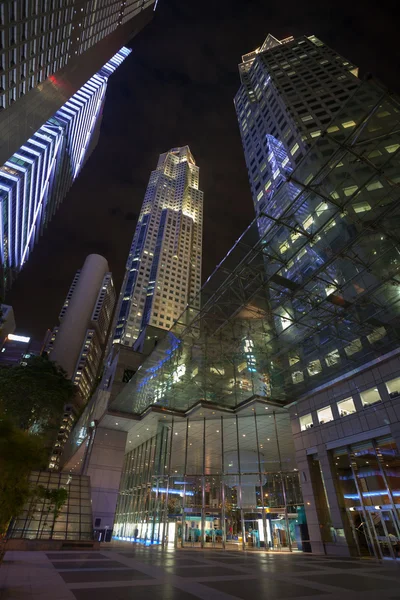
{"x":309,"y":291}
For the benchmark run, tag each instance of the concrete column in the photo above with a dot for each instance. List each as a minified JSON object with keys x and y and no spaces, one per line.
{"x":314,"y":530}
{"x":104,"y":466}
{"x":342,"y":544}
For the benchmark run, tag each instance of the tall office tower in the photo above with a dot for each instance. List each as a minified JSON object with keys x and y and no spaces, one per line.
{"x":164,"y":264}
{"x":55,"y":58}
{"x":290,"y":91}
{"x":78,"y":344}
{"x":35,"y":180}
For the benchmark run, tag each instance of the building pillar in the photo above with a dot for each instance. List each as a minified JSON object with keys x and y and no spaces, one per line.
{"x":310,"y":505}
{"x":342,"y":541}
{"x":104,"y":467}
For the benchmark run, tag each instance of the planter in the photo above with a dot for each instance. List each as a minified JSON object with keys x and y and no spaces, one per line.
{"x":53,"y":545}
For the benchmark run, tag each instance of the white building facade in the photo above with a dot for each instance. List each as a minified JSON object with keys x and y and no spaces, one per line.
{"x":163,"y":272}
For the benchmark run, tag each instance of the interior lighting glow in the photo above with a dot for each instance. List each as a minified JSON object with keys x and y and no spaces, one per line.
{"x":18,"y":338}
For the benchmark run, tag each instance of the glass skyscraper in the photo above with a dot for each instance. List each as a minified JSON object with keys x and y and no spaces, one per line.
{"x":55,"y":59}
{"x":164,"y":265}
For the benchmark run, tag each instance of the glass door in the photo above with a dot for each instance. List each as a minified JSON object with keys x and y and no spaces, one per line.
{"x":386,"y":533}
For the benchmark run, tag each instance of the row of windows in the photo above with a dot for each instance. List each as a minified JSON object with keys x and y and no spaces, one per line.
{"x":347,"y":407}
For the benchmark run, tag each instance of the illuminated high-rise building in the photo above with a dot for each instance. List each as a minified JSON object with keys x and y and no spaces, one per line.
{"x":164,"y":265}
{"x":290,"y":91}
{"x":322,"y":149}
{"x":55,"y":60}
{"x":78,"y":343}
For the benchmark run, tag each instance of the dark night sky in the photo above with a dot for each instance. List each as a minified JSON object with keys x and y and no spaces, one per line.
{"x":177,"y":88}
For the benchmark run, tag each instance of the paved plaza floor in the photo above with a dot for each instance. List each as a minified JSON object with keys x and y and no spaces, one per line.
{"x":139,"y":573}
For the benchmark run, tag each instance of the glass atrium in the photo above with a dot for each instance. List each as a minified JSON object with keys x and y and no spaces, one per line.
{"x":310,"y":291}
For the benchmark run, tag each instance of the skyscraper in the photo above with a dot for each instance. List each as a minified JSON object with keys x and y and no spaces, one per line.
{"x":78,"y":344}
{"x":290,"y":91}
{"x":322,"y":150}
{"x":164,"y":265}
{"x":55,"y":59}
{"x":36,"y":178}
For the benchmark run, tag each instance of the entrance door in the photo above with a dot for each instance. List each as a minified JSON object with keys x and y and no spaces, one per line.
{"x":386,"y":533}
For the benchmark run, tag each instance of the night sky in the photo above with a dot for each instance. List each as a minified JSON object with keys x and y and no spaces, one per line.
{"x":177,"y":88}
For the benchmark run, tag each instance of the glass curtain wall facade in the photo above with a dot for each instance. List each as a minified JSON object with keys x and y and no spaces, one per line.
{"x":313,"y":297}
{"x":214,"y":480}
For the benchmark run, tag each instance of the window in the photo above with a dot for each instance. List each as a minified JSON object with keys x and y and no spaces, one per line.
{"x":297,"y":377}
{"x":360,"y":207}
{"x":321,"y":208}
{"x":348,"y":124}
{"x":314,"y":367}
{"x":370,"y":397}
{"x":333,"y":358}
{"x":306,"y":422}
{"x":346,"y":407}
{"x":392,"y":148}
{"x":393,"y":387}
{"x":325,"y":415}
{"x":376,"y":335}
{"x":375,"y":185}
{"x":283,"y":247}
{"x":354,"y":347}
{"x":294,"y":149}
{"x":308,"y":222}
{"x":348,"y":191}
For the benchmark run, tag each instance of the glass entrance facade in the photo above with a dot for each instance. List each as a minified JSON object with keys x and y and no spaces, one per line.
{"x":369,"y":481}
{"x":214,"y":479}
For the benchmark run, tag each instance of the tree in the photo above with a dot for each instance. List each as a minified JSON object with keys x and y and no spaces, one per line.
{"x":20,"y":453}
{"x":33,"y":395}
{"x":56,"y":498}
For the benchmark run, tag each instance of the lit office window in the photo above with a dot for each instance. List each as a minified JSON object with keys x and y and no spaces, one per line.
{"x":370,"y":397}
{"x":393,"y":387}
{"x":306,"y":422}
{"x":325,"y":415}
{"x":346,"y":407}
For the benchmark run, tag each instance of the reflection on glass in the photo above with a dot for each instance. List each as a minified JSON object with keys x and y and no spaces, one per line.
{"x":220,"y":480}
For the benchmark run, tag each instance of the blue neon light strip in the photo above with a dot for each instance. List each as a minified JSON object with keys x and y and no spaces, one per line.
{"x":370,"y":495}
{"x":171,"y":491}
{"x":131,"y":276}
{"x":36,"y":178}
